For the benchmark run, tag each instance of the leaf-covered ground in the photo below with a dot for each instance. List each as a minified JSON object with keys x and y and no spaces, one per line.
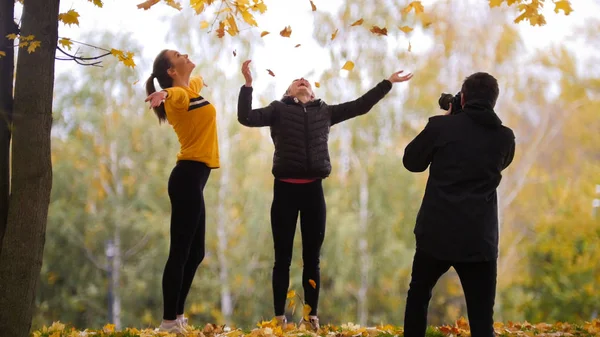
{"x":269,"y":329}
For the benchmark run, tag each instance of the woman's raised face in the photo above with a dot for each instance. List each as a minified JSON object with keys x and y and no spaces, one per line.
{"x":181,"y":64}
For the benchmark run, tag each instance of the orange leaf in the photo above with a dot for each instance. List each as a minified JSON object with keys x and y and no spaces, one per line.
{"x":349,"y":65}
{"x":312,"y":4}
{"x":313,"y":283}
{"x":415,"y":5}
{"x":296,"y":46}
{"x":221,"y":30}
{"x":264,"y":33}
{"x":317,"y":84}
{"x":286,"y":32}
{"x":270,"y":72}
{"x":358,"y":22}
{"x":379,"y":31}
{"x":147,"y":4}
{"x":334,"y":35}
{"x":306,"y":311}
{"x":406,"y":29}
{"x":291,"y":293}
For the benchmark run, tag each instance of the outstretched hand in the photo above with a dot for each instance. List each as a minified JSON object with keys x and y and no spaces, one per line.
{"x":396,"y":78}
{"x":156,"y":98}
{"x":246,"y":72}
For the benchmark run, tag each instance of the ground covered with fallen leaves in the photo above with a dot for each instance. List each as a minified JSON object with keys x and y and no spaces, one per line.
{"x":269,"y":329}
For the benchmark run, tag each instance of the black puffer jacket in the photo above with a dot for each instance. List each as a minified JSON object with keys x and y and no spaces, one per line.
{"x":300,"y":131}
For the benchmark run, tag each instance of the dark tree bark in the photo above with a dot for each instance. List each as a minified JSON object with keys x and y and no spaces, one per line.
{"x":31,"y":181}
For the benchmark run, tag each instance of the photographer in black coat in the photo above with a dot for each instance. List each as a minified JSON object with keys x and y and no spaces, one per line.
{"x":457,"y":224}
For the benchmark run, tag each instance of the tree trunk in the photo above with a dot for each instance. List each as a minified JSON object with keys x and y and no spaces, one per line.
{"x":7,"y":26}
{"x":31,"y":182}
{"x":363,"y":223}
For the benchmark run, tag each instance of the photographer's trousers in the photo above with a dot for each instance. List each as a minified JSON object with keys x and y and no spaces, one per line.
{"x":478,"y":280}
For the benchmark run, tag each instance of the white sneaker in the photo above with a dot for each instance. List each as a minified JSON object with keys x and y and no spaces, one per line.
{"x":311,"y":324}
{"x":281,"y":321}
{"x":172,"y":327}
{"x":184,"y":323}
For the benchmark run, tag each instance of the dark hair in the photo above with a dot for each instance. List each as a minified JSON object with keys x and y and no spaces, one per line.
{"x":480,"y":86}
{"x":159,"y":71}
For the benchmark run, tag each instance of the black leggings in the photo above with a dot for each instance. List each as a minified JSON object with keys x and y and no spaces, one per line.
{"x":188,"y":224}
{"x":309,"y":201}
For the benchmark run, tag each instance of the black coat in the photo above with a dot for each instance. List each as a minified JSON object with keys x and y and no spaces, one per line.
{"x":300,"y":132}
{"x":466,"y":152}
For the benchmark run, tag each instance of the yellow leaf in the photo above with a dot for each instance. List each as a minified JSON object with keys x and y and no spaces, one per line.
{"x":69,"y":18}
{"x":11,"y":36}
{"x":406,"y":29}
{"x":312,"y":283}
{"x":312,"y":5}
{"x":174,"y":4}
{"x":264,"y":33}
{"x":379,"y":31}
{"x":292,"y":303}
{"x":409,"y":47}
{"x":2,"y":53}
{"x":317,"y":84}
{"x":23,"y":44}
{"x":249,"y":18}
{"x":224,"y":10}
{"x":197,"y":5}
{"x":97,"y":3}
{"x":117,"y":52}
{"x":136,"y":82}
{"x":291,"y":293}
{"x":109,"y":328}
{"x":204,"y":25}
{"x":65,"y":42}
{"x":495,"y":3}
{"x":334,"y":35}
{"x":32,"y":46}
{"x":563,"y":5}
{"x":147,"y":4}
{"x":415,"y":5}
{"x":358,"y":22}
{"x":27,"y":38}
{"x":270,"y":72}
{"x":233,"y":28}
{"x":306,"y":311}
{"x":286,"y":32}
{"x":349,"y":65}
{"x":259,"y":6}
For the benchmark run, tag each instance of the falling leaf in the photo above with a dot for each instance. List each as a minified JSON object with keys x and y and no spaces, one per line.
{"x":317,"y":84}
{"x":69,"y":18}
{"x":563,"y":5}
{"x":204,"y":24}
{"x":406,"y":29}
{"x":286,"y":32}
{"x":409,"y":47}
{"x":296,"y":46}
{"x":415,"y":5}
{"x":147,"y":4}
{"x":234,"y":53}
{"x":65,"y":42}
{"x":291,"y":293}
{"x":358,"y":22}
{"x":379,"y":31}
{"x":349,"y":65}
{"x":334,"y":35}
{"x":174,"y":4}
{"x":306,"y":311}
{"x":270,"y":72}
{"x":221,"y":30}
{"x":312,"y":4}
{"x":312,"y":283}
{"x":2,"y":53}
{"x":12,"y":36}
{"x":264,"y":33}
{"x":97,"y":3}
{"x":136,"y":82}
{"x":292,"y":303}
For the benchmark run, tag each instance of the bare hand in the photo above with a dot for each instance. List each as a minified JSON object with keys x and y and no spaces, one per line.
{"x":156,"y":98}
{"x":396,"y":78}
{"x":246,"y":72}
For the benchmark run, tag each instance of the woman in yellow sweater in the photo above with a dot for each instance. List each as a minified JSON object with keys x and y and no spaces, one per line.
{"x":194,"y":120}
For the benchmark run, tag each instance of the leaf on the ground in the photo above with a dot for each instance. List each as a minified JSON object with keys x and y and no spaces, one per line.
{"x":270,"y":72}
{"x":65,"y":42}
{"x":349,"y":65}
{"x":147,"y":4}
{"x":334,"y":35}
{"x":312,"y":5}
{"x":109,"y":328}
{"x":415,"y":5}
{"x":563,"y":5}
{"x":286,"y":32}
{"x":204,"y":24}
{"x":69,"y":18}
{"x":358,"y":22}
{"x":317,"y":85}
{"x":33,"y":46}
{"x":406,"y":29}
{"x":264,"y":33}
{"x":312,"y":283}
{"x":379,"y":31}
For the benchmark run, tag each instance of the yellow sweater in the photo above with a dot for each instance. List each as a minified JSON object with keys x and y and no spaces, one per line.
{"x":194,"y":120}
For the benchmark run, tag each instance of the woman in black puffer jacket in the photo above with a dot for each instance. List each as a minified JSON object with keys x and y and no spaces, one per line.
{"x":300,"y":131}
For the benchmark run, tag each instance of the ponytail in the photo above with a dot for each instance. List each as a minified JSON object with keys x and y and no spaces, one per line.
{"x":159,"y":110}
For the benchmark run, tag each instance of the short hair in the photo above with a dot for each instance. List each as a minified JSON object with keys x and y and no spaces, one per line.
{"x":480,"y":86}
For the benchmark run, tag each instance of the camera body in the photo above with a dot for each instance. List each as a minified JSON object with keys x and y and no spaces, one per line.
{"x":445,"y":100}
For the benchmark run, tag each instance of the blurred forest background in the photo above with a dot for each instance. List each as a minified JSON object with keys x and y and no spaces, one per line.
{"x":107,"y":235}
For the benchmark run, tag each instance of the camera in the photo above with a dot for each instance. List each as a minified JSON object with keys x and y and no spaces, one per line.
{"x":446,"y":99}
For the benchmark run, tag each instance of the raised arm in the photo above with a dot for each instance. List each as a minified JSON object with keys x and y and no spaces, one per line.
{"x":363,"y":104}
{"x":419,"y":152}
{"x":246,"y":115}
